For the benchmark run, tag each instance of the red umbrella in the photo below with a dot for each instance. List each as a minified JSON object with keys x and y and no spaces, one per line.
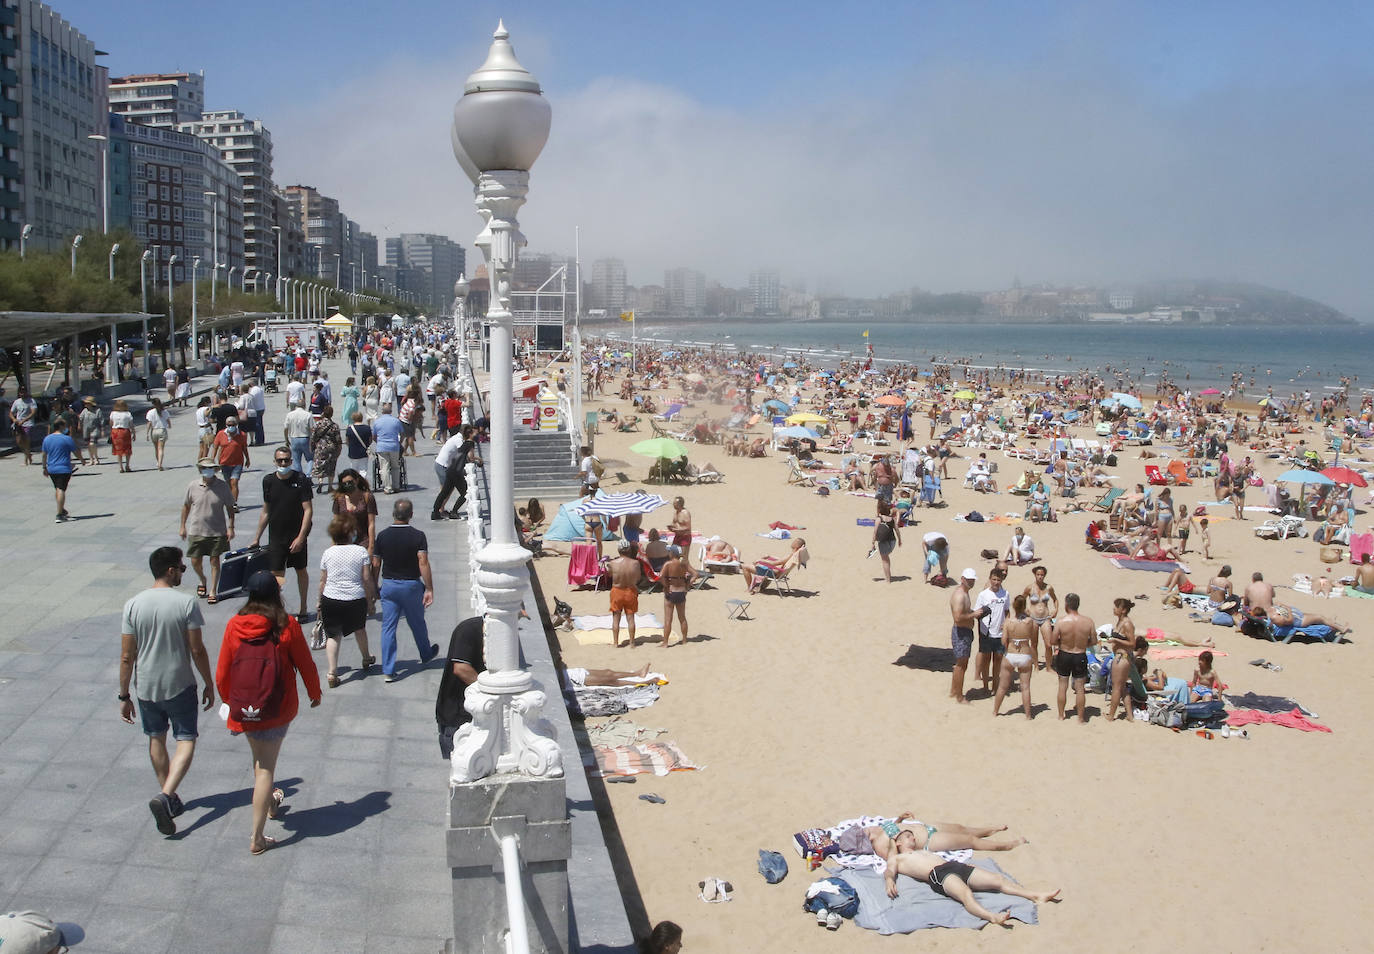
{"x":1344,"y":475}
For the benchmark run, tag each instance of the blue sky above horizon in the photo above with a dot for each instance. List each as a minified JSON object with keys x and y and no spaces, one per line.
{"x":1070,"y":142}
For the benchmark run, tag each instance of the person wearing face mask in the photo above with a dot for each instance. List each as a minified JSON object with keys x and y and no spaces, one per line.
{"x":287,"y":510}
{"x":230,"y":448}
{"x":207,"y":525}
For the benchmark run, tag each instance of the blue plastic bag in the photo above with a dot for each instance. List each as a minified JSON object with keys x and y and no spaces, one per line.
{"x":772,"y":866}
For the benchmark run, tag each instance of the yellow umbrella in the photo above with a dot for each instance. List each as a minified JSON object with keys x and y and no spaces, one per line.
{"x":964,"y":395}
{"x":806,"y":417}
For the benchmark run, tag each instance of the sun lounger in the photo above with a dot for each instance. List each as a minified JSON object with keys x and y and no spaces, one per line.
{"x":1104,"y":503}
{"x":1281,"y":528}
{"x":724,"y":566}
{"x":795,"y":474}
{"x":699,"y":476}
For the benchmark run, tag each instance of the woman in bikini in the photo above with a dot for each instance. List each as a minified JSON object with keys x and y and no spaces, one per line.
{"x":906,"y":833}
{"x":677,"y":574}
{"x":1042,"y":606}
{"x":1018,"y":639}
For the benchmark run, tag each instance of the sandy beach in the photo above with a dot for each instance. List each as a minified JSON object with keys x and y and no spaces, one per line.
{"x":833,"y":702}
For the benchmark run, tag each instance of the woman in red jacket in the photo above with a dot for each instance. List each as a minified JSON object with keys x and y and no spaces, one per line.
{"x":262,"y":650}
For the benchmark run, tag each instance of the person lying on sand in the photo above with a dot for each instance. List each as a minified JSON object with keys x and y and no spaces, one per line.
{"x":958,"y":881}
{"x":893,"y":838}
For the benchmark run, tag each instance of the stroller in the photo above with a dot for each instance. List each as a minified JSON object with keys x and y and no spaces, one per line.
{"x":269,"y":378}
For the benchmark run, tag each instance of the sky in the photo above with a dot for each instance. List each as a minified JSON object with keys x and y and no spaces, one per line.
{"x":860,"y":148}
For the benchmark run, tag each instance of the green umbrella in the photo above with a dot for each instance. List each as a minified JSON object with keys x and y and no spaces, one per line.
{"x":659,"y":447}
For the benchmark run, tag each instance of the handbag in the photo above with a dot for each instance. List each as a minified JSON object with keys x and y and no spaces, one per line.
{"x":317,"y":635}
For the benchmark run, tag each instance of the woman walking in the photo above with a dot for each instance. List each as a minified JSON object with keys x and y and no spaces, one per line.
{"x":355,"y":502}
{"x":349,"y":394}
{"x":886,"y":536}
{"x":346,"y":592}
{"x":159,"y":425}
{"x":1018,"y":641}
{"x":262,"y":651}
{"x":91,"y":423}
{"x":371,"y":398}
{"x":122,"y":436}
{"x":325,"y":444}
{"x":205,"y":427}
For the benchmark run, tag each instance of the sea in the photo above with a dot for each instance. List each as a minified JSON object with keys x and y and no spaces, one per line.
{"x":1285,"y":359}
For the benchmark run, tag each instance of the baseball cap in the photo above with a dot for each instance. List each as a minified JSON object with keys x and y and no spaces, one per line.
{"x":969,"y":573}
{"x":28,"y":932}
{"x":262,"y":585}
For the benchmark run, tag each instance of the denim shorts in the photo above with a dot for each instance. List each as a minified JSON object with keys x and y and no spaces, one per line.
{"x":180,"y":710}
{"x":231,"y":471}
{"x":266,"y":735}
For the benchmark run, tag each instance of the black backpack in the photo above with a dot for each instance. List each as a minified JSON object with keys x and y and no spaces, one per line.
{"x":883,"y":532}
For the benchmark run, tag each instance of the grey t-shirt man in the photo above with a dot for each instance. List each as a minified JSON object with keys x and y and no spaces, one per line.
{"x":208,"y":511}
{"x":159,"y":619}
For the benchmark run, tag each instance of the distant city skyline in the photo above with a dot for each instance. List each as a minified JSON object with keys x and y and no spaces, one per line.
{"x":862,"y":148}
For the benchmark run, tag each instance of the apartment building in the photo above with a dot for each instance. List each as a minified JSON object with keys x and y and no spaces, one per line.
{"x":246,"y":145}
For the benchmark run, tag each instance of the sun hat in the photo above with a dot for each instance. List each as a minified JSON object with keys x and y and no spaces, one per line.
{"x":28,"y":932}
{"x":969,"y":573}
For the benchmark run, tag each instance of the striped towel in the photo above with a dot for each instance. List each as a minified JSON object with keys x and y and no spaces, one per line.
{"x":658,"y":758}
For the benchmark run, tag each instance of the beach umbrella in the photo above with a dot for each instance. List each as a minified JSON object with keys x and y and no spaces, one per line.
{"x":964,"y":395}
{"x":1299,"y":476}
{"x":805,"y":417}
{"x":1209,"y":391}
{"x":659,"y":447}
{"x":620,"y":505}
{"x":1344,"y":475}
{"x":891,"y":400}
{"x":773,"y":404}
{"x":1127,"y":400}
{"x":1266,"y":402}
{"x":789,"y":364}
{"x":796,"y":430}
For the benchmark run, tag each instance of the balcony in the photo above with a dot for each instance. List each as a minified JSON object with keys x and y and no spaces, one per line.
{"x":9,"y":169}
{"x":10,"y":200}
{"x":9,"y":138}
{"x":8,"y":17}
{"x":8,"y":107}
{"x":8,"y":77}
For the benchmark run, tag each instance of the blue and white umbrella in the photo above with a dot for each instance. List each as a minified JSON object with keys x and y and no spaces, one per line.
{"x":796,"y":430}
{"x":1298,"y":476}
{"x":1127,"y":400}
{"x":620,"y":505}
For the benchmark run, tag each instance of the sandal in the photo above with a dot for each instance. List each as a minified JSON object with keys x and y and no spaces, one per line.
{"x":278,"y":796}
{"x":267,"y":845}
{"x":200,"y":591}
{"x":211,"y":600}
{"x":369,"y":662}
{"x":333,"y":680}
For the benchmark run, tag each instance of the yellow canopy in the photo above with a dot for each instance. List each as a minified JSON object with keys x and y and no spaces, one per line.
{"x":338,"y":321}
{"x":806,"y":417}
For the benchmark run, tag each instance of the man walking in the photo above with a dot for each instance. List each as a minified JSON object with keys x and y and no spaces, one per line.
{"x":207,"y":525}
{"x":961,"y":635}
{"x":296,"y":428}
{"x":159,"y":640}
{"x":1073,"y":634}
{"x":400,"y":561}
{"x":990,"y":647}
{"x":387,"y":434}
{"x":257,"y":404}
{"x":287,"y":510}
{"x":231,"y":453}
{"x":23,"y":411}
{"x":451,"y":466}
{"x":58,"y":448}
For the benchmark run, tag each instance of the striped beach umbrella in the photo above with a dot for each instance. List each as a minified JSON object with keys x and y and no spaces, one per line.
{"x":620,"y":505}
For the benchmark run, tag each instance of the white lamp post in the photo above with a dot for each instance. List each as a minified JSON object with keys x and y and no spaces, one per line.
{"x":213,"y":196}
{"x":499,"y":128}
{"x":195,"y":311}
{"x":171,"y":308}
{"x":266,"y":282}
{"x":104,"y":181}
{"x":114,"y":250}
{"x":460,"y":320}
{"x":277,"y":229}
{"x":229,"y":285}
{"x":24,"y":234}
{"x":76,"y":243}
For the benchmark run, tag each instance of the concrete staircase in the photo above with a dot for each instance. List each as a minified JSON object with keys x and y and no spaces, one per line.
{"x":543,"y":468}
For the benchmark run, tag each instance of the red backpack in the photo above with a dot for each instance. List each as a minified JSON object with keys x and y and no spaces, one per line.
{"x":255,"y":688}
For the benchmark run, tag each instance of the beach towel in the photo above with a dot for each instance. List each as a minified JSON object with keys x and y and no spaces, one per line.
{"x":606,"y":637}
{"x":1293,"y":719}
{"x":778,"y":533}
{"x":583,"y":565}
{"x":874,"y":861}
{"x":617,"y":731}
{"x":1183,"y":652}
{"x":1356,"y":594}
{"x":917,"y":906}
{"x":658,"y":758}
{"x":779,"y":525}
{"x":1153,"y":566}
{"x":1360,"y":544}
{"x":865,"y":521}
{"x":1264,"y":703}
{"x":603,"y":621}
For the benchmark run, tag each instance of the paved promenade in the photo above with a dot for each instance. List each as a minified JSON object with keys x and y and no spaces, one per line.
{"x":361,"y":866}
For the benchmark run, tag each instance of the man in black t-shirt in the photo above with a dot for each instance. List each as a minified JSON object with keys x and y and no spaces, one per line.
{"x":465,"y":661}
{"x":222,"y":411}
{"x":400,"y":561}
{"x":287,"y":509}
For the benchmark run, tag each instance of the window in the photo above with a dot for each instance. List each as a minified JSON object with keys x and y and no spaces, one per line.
{"x":176,"y":232}
{"x":176,"y":194}
{"x":176,"y":213}
{"x":176,"y":176}
{"x":164,"y":173}
{"x":141,"y":170}
{"x":166,"y":193}
{"x":166,"y":233}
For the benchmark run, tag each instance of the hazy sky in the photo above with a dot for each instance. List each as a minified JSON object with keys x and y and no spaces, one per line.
{"x":859,"y":148}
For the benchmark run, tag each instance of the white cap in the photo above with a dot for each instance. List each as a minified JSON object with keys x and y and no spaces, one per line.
{"x":969,"y":573}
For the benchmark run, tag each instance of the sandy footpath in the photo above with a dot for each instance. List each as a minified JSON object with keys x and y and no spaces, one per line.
{"x":813,"y":711}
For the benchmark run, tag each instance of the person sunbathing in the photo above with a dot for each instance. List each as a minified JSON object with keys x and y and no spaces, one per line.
{"x":759,"y":448}
{"x":893,"y":837}
{"x":1149,"y":548}
{"x":770,"y":568}
{"x":1281,"y":615}
{"x":958,"y":881}
{"x":578,"y":678}
{"x":718,"y":551}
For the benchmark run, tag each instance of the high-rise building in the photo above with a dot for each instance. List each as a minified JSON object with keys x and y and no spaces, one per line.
{"x":288,"y":240}
{"x":185,"y":200}
{"x":765,"y":287}
{"x":367,"y":262}
{"x":158,"y":99}
{"x":11,"y":154}
{"x":325,"y":228}
{"x":61,"y":102}
{"x":246,"y":145}
{"x":608,"y":285}
{"x":686,"y":292}
{"x":440,"y":258}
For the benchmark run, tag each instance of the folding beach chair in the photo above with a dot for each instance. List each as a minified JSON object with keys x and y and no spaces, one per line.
{"x":795,"y":475}
{"x":1104,"y":503}
{"x":738,"y":609}
{"x":1153,"y":475}
{"x":1178,"y":473}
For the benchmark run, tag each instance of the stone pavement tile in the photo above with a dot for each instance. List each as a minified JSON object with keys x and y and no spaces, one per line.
{"x":26,"y":664}
{"x":23,"y":697}
{"x":36,"y":727}
{"x":357,"y":749}
{"x":54,"y":807}
{"x":419,"y":905}
{"x":374,"y":774}
{"x":415,"y":776}
{"x":16,"y":774}
{"x":409,"y":944}
{"x":15,"y":870}
{"x":64,"y":885}
{"x":103,"y":842}
{"x":187,"y":851}
{"x":125,"y":929}
{"x":75,"y":777}
{"x":223,"y":929}
{"x":145,"y":886}
{"x":300,"y":939}
{"x":97,"y":751}
{"x":310,"y":904}
{"x":419,"y":837}
{"x":326,"y":867}
{"x":376,"y":727}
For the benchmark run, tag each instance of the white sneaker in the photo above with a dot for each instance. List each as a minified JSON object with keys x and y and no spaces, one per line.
{"x":833,"y":921}
{"x":821,"y":917}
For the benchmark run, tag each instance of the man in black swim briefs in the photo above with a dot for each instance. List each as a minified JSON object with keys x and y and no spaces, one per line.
{"x":958,"y":881}
{"x":1072,"y":635}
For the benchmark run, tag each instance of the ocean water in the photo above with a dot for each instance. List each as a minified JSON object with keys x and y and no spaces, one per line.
{"x":1288,"y":359}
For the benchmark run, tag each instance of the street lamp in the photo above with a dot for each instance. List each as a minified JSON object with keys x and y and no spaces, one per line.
{"x":229,"y":285}
{"x":213,"y":196}
{"x":195,"y":311}
{"x":114,"y":250}
{"x":171,"y":308}
{"x":499,"y":128}
{"x":338,"y":265}
{"x":104,"y":181}
{"x":76,"y":243}
{"x":143,"y":278}
{"x":460,"y":323}
{"x":277,"y":229}
{"x":24,"y":234}
{"x":266,"y":282}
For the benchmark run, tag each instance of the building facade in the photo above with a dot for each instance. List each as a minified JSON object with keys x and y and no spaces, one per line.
{"x":171,"y":173}
{"x":289,"y":254}
{"x":686,"y":292}
{"x":246,"y":145}
{"x":158,"y":99}
{"x":61,"y":102}
{"x":11,"y":152}
{"x":607,"y":288}
{"x":764,"y":286}
{"x":325,"y":229}
{"x":441,"y":260}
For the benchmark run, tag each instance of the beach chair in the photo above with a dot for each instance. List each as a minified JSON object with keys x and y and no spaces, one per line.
{"x":699,"y":476}
{"x":1104,"y":503}
{"x":1178,"y":473}
{"x":1153,"y":475}
{"x":724,"y":566}
{"x":795,"y":475}
{"x":780,"y":581}
{"x":649,"y":574}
